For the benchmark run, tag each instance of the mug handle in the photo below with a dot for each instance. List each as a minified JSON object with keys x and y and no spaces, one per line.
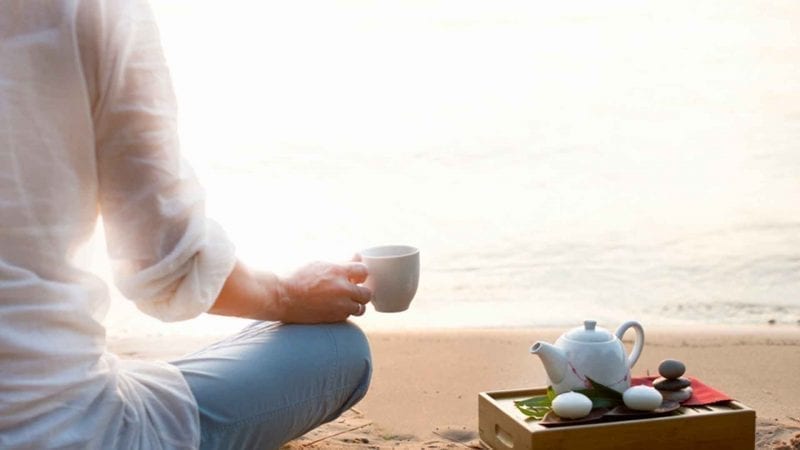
{"x":638,"y":344}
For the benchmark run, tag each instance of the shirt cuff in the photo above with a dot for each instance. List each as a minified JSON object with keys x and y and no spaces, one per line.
{"x":196,"y":282}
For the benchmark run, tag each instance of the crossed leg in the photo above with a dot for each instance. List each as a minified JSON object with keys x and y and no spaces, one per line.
{"x":273,"y":382}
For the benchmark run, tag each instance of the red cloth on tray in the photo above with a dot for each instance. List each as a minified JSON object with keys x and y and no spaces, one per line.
{"x":702,"y":394}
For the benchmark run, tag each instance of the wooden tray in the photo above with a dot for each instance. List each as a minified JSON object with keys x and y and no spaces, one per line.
{"x":727,"y":426}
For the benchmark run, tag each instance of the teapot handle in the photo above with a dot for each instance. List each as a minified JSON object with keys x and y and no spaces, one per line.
{"x":638,"y":344}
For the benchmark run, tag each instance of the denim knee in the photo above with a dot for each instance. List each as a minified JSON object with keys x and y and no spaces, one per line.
{"x":273,"y":382}
{"x":355,"y":360}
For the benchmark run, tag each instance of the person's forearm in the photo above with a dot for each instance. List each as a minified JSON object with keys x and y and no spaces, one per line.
{"x":254,"y":296}
{"x":317,"y":292}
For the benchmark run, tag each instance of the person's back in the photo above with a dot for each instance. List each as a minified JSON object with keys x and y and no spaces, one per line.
{"x":59,"y":388}
{"x":88,"y":127}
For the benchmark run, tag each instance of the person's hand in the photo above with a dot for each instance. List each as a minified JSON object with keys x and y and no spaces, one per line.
{"x":324,"y":292}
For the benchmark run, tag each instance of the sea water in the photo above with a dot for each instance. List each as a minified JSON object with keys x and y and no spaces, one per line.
{"x":553,"y":161}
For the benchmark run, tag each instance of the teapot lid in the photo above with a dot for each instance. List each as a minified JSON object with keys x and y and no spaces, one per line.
{"x":589,"y":332}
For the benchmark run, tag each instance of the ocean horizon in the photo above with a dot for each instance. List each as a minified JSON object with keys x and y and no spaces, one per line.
{"x":552,"y":161}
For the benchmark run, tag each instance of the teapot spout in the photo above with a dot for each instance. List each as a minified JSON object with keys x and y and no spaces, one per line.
{"x":553,"y":358}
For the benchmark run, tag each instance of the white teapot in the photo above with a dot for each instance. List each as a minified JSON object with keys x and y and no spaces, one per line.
{"x":590,"y":352}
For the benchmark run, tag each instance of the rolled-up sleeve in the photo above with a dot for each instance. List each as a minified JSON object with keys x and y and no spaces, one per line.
{"x":167,"y":256}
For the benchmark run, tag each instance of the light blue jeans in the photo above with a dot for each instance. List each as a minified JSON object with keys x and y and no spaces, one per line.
{"x":273,"y":382}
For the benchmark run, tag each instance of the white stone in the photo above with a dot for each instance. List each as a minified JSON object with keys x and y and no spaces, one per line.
{"x":642,"y":398}
{"x":572,"y":405}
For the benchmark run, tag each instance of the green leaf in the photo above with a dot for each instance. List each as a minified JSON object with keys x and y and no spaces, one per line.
{"x":551,"y":393}
{"x":534,"y":407}
{"x":534,"y":413}
{"x":539,"y":400}
{"x":602,"y":396}
{"x":605,"y":391}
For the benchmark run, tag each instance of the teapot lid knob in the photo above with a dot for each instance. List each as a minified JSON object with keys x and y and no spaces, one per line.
{"x":589,"y":332}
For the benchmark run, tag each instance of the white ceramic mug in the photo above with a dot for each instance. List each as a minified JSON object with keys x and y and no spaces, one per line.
{"x":393,"y":276}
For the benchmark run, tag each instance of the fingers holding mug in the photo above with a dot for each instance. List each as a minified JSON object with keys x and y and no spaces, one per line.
{"x":360,"y":309}
{"x":359,"y":297}
{"x":360,"y":294}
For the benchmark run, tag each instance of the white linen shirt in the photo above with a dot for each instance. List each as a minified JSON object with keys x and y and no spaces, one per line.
{"x":88,"y":127}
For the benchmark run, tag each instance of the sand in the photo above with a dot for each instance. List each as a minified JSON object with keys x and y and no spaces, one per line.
{"x":426,"y":383}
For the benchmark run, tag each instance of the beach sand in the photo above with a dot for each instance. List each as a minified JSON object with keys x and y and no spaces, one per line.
{"x":425,"y":386}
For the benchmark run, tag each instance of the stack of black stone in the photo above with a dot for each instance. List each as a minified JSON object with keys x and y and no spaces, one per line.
{"x":672,"y":385}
